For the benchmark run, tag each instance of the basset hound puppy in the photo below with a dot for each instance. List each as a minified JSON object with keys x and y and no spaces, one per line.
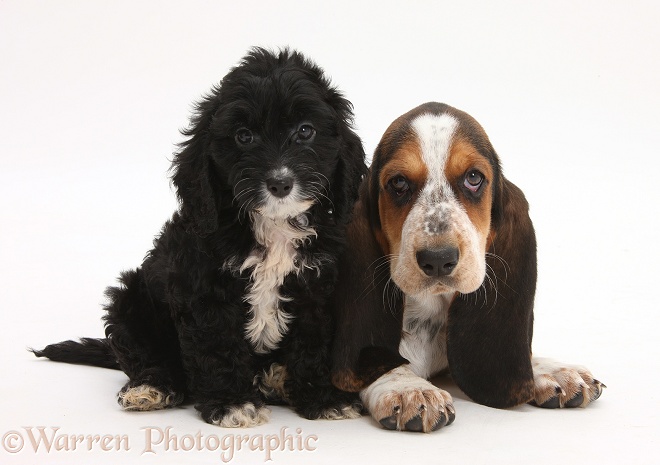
{"x":440,"y":277}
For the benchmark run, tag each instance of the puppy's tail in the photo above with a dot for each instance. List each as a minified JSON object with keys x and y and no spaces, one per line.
{"x":94,"y":352}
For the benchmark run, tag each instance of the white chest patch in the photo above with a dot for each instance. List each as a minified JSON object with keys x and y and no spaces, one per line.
{"x":424,"y":336}
{"x":276,"y":257}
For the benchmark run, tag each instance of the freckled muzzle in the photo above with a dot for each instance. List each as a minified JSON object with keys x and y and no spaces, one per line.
{"x":440,"y":251}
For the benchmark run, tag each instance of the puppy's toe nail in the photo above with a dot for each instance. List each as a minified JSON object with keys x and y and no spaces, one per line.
{"x":389,"y":422}
{"x":452,"y":416}
{"x":414,"y":424}
{"x":596,"y":389}
{"x":575,"y":401}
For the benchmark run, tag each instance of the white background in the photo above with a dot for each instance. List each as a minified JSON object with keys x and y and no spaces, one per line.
{"x":93,"y":93}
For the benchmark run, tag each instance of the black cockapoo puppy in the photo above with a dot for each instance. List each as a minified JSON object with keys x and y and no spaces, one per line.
{"x":230,"y":307}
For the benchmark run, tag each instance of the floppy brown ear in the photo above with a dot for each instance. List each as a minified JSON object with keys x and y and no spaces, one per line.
{"x":368,"y":307}
{"x":191,"y":172}
{"x":490,"y":331}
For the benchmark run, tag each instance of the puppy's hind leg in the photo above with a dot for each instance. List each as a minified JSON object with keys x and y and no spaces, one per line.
{"x":152,"y":390}
{"x":144,"y":340}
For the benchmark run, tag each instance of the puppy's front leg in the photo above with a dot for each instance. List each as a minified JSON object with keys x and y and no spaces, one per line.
{"x":308,"y":385}
{"x":219,"y":367}
{"x":401,"y":400}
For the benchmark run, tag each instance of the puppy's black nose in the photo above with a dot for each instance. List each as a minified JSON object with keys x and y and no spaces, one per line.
{"x":438,"y":262}
{"x":280,"y":187}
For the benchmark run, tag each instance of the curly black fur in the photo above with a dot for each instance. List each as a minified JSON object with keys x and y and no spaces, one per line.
{"x":178,"y":322}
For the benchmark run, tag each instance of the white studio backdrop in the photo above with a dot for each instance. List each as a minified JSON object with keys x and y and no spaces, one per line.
{"x":92,"y":97}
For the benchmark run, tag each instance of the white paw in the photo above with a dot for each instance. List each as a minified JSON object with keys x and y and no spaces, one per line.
{"x":242,"y":416}
{"x":145,"y":397}
{"x":347,"y":412}
{"x":401,"y":400}
{"x":558,"y":385}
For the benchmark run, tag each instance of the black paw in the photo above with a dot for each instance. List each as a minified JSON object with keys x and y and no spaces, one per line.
{"x":328,"y":403}
{"x":340,"y":410}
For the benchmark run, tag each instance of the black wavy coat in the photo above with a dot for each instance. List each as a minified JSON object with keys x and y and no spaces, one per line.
{"x":178,"y":321}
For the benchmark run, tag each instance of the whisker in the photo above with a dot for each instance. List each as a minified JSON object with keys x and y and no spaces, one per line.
{"x":504,"y":263}
{"x":492,"y":281}
{"x":388,"y":303}
{"x":378,"y":275}
{"x":245,"y":206}
{"x":316,"y":191}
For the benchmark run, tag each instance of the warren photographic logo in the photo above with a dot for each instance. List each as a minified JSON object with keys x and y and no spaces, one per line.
{"x":157,"y":440}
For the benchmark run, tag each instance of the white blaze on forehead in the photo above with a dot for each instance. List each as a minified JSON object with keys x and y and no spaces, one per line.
{"x":435,"y":134}
{"x":438,"y":218}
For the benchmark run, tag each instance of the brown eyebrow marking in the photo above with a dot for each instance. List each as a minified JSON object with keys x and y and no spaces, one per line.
{"x":463,"y":156}
{"x":406,"y":160}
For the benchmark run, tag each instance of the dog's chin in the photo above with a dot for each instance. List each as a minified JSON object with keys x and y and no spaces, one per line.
{"x":438,"y":287}
{"x":281,"y":209}
{"x":425,"y":289}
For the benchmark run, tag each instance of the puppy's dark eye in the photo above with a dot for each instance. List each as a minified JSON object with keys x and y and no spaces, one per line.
{"x":306,"y":132}
{"x":399,"y":185}
{"x":473,"y":180}
{"x":244,"y":136}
